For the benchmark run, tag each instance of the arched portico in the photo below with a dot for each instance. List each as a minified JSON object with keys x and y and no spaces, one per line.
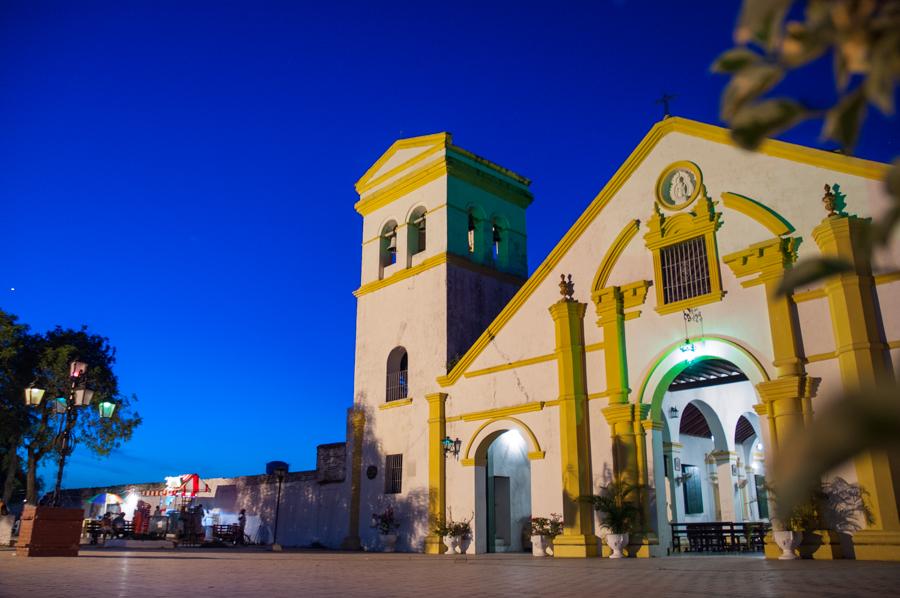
{"x":672,"y":360}
{"x":720,"y":466}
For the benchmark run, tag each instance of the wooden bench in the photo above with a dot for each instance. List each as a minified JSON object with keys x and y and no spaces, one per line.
{"x":719,"y":536}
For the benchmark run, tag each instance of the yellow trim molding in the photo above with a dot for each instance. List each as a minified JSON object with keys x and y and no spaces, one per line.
{"x":769,"y":218}
{"x":501,"y":412}
{"x":402,"y":186}
{"x":779,"y":149}
{"x":438,"y":141}
{"x":529,"y":361}
{"x":534,"y":454}
{"x":613,"y":253}
{"x":397,"y":403}
{"x":819,"y":293}
{"x":426,"y":264}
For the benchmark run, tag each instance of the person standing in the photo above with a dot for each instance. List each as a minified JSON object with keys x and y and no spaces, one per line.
{"x":242,"y":524}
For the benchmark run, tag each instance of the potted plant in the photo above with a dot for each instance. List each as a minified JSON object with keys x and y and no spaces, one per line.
{"x":386,"y":524}
{"x":455,"y":534}
{"x":618,"y":511}
{"x":835,"y":506}
{"x":543,"y":530}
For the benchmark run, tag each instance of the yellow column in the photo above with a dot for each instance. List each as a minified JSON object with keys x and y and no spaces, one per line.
{"x":785,"y":405}
{"x":358,"y":424}
{"x":437,"y":468}
{"x":624,"y":419}
{"x":863,"y":359}
{"x":577,"y":539}
{"x":785,"y":400}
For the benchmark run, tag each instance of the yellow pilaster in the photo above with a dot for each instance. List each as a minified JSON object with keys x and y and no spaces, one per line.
{"x":578,"y":538}
{"x":611,"y":319}
{"x":786,"y":399}
{"x":437,"y":468}
{"x":625,"y":420}
{"x":358,"y":425}
{"x":863,"y":359}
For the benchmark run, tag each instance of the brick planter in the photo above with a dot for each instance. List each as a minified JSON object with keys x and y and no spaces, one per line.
{"x":50,"y":531}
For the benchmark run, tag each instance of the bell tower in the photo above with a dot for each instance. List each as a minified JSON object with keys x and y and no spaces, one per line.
{"x":443,"y":251}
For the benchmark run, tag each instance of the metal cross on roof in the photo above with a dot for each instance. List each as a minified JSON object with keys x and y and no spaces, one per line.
{"x":664,"y":100}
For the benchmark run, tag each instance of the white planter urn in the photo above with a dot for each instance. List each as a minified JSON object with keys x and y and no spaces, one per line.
{"x":617,"y":543}
{"x":389,"y":542}
{"x":452,"y":544}
{"x":788,"y":542}
{"x":542,"y":545}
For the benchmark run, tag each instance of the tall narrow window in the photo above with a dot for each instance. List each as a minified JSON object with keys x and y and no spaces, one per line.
{"x":471,"y":233}
{"x":497,"y":238}
{"x":685,"y":270}
{"x":397,"y":381}
{"x":393,"y":474}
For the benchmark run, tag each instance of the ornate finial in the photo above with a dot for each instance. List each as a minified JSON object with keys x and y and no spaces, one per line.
{"x":829,"y":200}
{"x":566,"y":288}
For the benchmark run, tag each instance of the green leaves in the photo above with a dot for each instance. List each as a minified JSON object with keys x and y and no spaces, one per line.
{"x":752,"y":124}
{"x":809,"y":271}
{"x":760,"y":22}
{"x":864,"y":38}
{"x":747,"y":84}
{"x":844,"y":121}
{"x":861,"y":420}
{"x":733,"y":60}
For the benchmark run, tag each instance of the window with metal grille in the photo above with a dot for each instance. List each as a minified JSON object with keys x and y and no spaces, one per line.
{"x":393,"y":474}
{"x":685,"y":270}
{"x":397,"y":375}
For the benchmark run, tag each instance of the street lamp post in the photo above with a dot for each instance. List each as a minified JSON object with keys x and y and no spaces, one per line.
{"x":65,"y":407}
{"x":280,"y":472}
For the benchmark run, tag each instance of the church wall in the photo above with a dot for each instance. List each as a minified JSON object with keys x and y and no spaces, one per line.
{"x":402,"y":314}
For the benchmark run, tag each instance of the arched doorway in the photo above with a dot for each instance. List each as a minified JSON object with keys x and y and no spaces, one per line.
{"x":502,"y":492}
{"x":713,"y":455}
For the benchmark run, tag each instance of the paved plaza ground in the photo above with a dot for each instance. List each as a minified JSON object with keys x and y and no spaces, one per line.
{"x":199,"y":572}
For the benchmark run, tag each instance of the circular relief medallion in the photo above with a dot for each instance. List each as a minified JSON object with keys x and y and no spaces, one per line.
{"x":678,"y":185}
{"x":371,"y":472}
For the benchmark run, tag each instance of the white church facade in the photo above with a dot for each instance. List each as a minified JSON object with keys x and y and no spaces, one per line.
{"x":670,"y":365}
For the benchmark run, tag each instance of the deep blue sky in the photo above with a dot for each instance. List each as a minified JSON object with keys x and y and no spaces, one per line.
{"x":179,"y":177}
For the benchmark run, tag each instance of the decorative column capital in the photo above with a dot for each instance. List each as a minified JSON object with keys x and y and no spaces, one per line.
{"x":845,"y":237}
{"x":625,"y":412}
{"x":787,"y":387}
{"x":769,"y":259}
{"x":436,"y":397}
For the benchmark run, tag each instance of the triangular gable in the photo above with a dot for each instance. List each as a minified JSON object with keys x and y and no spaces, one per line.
{"x":402,"y":155}
{"x":779,"y":149}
